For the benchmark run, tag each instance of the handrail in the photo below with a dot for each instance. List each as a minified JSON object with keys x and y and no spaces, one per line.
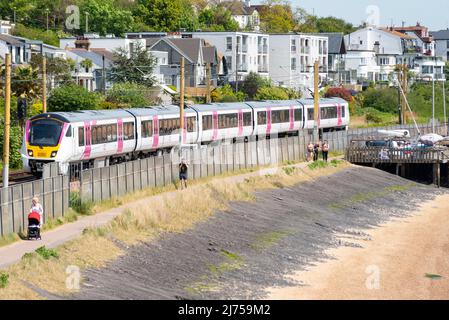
{"x":394,"y":155}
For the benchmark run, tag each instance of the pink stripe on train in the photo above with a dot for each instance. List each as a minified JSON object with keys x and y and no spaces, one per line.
{"x":63,"y":132}
{"x":87,"y":141}
{"x":268,"y":120}
{"x":215,"y":125}
{"x":155,"y":131}
{"x":292,"y":118}
{"x":120,"y":136}
{"x":240,"y":122}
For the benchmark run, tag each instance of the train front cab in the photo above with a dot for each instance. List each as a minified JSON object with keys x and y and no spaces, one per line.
{"x":42,"y":142}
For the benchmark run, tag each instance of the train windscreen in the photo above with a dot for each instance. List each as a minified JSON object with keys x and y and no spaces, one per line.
{"x":45,"y":133}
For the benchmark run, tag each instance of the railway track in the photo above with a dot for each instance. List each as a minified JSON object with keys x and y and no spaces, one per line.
{"x":18,"y":177}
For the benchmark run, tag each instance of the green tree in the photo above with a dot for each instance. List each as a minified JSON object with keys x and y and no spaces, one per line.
{"x":72,"y":97}
{"x":253,"y":82}
{"x":129,"y":95}
{"x":217,"y":18}
{"x":385,"y":99}
{"x":136,"y":68}
{"x":58,"y":69}
{"x":25,"y":81}
{"x":227,"y":94}
{"x":332,"y":24}
{"x":105,"y":17}
{"x":165,"y":15}
{"x":277,"y":17}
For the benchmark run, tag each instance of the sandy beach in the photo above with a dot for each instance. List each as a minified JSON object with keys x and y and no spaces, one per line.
{"x":403,"y":259}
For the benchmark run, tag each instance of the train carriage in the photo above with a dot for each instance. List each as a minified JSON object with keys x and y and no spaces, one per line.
{"x":224,"y":121}
{"x":333,"y":115}
{"x":277,"y":117}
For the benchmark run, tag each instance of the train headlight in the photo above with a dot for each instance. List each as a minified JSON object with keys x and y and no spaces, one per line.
{"x":54,"y":153}
{"x":30,"y":153}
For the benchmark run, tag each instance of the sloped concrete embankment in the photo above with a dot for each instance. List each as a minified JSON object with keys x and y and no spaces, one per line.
{"x":252,"y":246}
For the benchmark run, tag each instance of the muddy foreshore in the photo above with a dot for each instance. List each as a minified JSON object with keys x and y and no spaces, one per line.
{"x":237,"y":254}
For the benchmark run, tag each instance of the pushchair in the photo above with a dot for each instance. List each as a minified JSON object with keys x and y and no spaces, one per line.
{"x":34,"y":230}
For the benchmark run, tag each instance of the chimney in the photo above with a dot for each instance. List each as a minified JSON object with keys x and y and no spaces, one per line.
{"x":82,"y":43}
{"x":376,"y":47}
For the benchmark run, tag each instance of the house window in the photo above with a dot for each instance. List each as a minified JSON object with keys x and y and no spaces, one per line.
{"x":293,"y":63}
{"x":447,"y":44}
{"x":228,"y":43}
{"x":293,"y":45}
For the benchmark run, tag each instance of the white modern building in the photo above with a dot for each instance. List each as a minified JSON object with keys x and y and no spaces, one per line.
{"x":371,"y":54}
{"x":292,"y":57}
{"x":429,"y":68}
{"x":244,"y":52}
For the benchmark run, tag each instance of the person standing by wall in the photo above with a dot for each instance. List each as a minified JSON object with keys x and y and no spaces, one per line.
{"x":183,"y":173}
{"x":325,"y":151}
{"x":316,"y":151}
{"x":310,"y":154}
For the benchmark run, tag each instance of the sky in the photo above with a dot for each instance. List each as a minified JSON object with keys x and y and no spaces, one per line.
{"x":431,"y":13}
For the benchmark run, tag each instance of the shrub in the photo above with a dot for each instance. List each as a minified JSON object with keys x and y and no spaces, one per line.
{"x":385,"y":100}
{"x":4,"y":280}
{"x":15,"y":144}
{"x":82,"y":207}
{"x":227,"y":94}
{"x":339,"y":93}
{"x":72,"y":97}
{"x":129,"y":95}
{"x":47,"y":253}
{"x":271,"y":93}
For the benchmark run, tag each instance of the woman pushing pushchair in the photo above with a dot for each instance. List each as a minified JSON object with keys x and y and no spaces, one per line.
{"x":35,"y":220}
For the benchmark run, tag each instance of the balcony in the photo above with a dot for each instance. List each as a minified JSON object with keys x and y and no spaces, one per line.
{"x":243,"y":67}
{"x":262,"y":49}
{"x":262,"y":69}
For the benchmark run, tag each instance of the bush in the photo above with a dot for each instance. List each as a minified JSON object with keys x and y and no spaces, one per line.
{"x":339,"y":93}
{"x":47,"y":253}
{"x":129,"y":95}
{"x":271,"y":93}
{"x":72,"y":97}
{"x":227,"y":94}
{"x":385,"y":100}
{"x":15,"y":144}
{"x":4,"y":280}
{"x":81,"y":207}
{"x":253,"y":82}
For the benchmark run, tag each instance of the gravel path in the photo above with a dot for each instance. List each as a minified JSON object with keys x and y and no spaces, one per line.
{"x":238,"y":253}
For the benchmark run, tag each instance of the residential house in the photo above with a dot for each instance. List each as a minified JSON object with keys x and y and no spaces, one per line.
{"x":441,"y":43}
{"x":6,"y":26}
{"x":94,"y":41}
{"x":246,"y":15}
{"x":292,"y":57}
{"x":429,"y":68}
{"x":371,"y":54}
{"x":94,"y":77}
{"x":196,"y":53}
{"x":15,"y":47}
{"x":422,"y":40}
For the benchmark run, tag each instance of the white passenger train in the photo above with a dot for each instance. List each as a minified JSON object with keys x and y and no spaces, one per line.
{"x":112,"y":136}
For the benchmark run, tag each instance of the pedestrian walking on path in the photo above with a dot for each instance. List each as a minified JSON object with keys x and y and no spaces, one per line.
{"x":325,"y":150}
{"x":37,"y":207}
{"x":183,"y":173}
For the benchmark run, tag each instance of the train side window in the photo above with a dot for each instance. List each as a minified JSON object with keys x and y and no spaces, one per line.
{"x":343,"y":110}
{"x":247,"y":120}
{"x":130,"y":130}
{"x":310,"y":114}
{"x":94,"y":135}
{"x":114,"y":132}
{"x":81,"y":137}
{"x":262,"y":118}
{"x":298,"y":115}
{"x":104,"y":134}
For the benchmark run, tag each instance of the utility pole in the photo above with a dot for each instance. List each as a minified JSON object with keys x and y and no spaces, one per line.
{"x":403,"y":82}
{"x":103,"y":75}
{"x":181,"y":101}
{"x":87,"y":22}
{"x":208,"y":76}
{"x":316,"y":97}
{"x":46,"y":11}
{"x":44,"y":84}
{"x":7,"y":122}
{"x":236,"y":66}
{"x":444,"y":102}
{"x":433,"y":103}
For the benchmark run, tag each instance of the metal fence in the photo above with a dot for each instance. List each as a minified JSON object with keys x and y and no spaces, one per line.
{"x":113,"y":181}
{"x":15,"y":202}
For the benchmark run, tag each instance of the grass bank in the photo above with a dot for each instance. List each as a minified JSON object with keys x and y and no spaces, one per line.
{"x":140,"y":221}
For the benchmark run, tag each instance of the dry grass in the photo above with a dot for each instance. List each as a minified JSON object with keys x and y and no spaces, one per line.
{"x":142,"y":221}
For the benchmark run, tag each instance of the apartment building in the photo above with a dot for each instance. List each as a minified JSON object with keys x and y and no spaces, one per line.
{"x":441,"y":43}
{"x":292,"y":57}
